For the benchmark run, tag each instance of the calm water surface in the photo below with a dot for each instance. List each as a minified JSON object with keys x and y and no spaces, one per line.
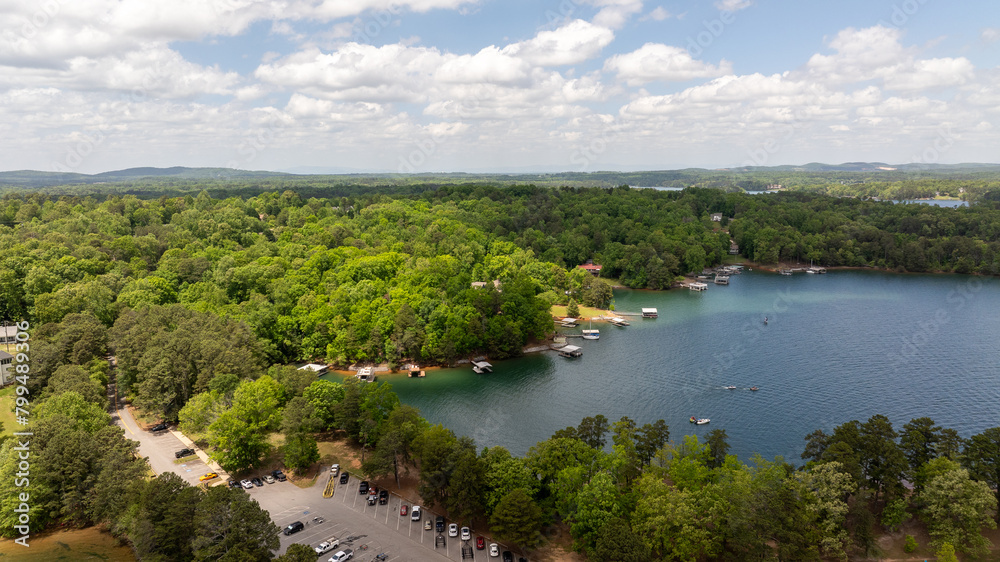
{"x":837,"y":347}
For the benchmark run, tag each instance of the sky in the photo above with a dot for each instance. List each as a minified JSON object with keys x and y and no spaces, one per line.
{"x":415,"y":86}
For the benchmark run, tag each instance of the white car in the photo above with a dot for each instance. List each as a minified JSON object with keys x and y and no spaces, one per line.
{"x":494,"y":549}
{"x":269,"y":479}
{"x":335,"y":469}
{"x":345,"y":554}
{"x":453,"y":530}
{"x":326,"y":546}
{"x":415,"y":513}
{"x":246,"y":483}
{"x":466,"y":534}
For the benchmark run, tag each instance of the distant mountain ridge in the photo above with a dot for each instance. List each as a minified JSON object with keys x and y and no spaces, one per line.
{"x":34,"y":178}
{"x":38,"y":179}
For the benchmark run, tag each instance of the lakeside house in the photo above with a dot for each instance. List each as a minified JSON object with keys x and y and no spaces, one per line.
{"x":6,"y":368}
{"x":591,"y":267}
{"x":8,"y":334}
{"x":734,"y":248}
{"x":716,"y":217}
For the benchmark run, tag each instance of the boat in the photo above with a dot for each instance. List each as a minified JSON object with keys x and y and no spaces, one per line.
{"x":730,"y":387}
{"x":591,"y":334}
{"x":754,"y":388}
{"x":366,"y":374}
{"x":699,"y":421}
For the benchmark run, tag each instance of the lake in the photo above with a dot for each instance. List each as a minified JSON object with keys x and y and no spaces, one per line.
{"x":840,"y":346}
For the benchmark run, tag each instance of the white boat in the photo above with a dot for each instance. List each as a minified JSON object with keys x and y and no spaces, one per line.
{"x":591,"y":334}
{"x":699,"y":421}
{"x":730,"y":387}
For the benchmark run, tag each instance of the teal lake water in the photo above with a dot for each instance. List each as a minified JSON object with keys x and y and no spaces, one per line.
{"x":841,"y":346}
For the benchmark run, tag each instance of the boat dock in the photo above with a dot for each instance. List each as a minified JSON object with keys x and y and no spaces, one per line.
{"x":721,"y":279}
{"x":697,"y":286}
{"x":649,"y":313}
{"x":570,"y":351}
{"x":481,"y":367}
{"x":366,"y":374}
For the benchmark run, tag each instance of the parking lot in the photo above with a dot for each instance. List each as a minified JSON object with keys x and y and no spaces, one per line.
{"x":368,"y":530}
{"x":373,"y":529}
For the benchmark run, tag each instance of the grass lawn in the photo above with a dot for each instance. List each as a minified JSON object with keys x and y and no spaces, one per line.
{"x":585,"y":311}
{"x":7,"y":397}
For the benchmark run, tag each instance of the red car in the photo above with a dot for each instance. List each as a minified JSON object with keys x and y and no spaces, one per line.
{"x":480,"y":543}
{"x":402,"y":509}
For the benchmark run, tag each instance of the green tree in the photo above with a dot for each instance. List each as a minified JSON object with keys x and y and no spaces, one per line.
{"x":518,"y":519}
{"x":956,"y":508}
{"x":651,"y":438}
{"x":231,"y":526}
{"x":718,"y":447}
{"x":161,"y":518}
{"x":617,"y":541}
{"x":592,"y":431}
{"x":324,"y":396}
{"x":301,"y":451}
{"x":297,"y":553}
{"x":982,"y":458}
{"x":597,"y":503}
{"x":919,"y":443}
{"x":830,"y":486}
{"x":572,"y":310}
{"x":946,"y":553}
{"x":239,"y":436}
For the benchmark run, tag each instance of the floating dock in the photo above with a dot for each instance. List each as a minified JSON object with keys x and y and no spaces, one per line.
{"x":366,"y":374}
{"x":649,"y":313}
{"x":721,"y":279}
{"x":695,"y":286}
{"x":481,"y":367}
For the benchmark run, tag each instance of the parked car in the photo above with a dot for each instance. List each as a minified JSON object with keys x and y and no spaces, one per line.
{"x":344,"y":477}
{"x":508,"y":556}
{"x":294,"y":528}
{"x":335,"y":470}
{"x":257,"y":481}
{"x":439,"y":523}
{"x":184,"y":453}
{"x":372,"y":499}
{"x":234,"y":483}
{"x":345,"y":554}
{"x":363,"y":487}
{"x":480,"y":543}
{"x":278,"y":475}
{"x":208,"y":476}
{"x":326,"y":546}
{"x":494,"y":549}
{"x":466,"y":534}
{"x":402,"y":509}
{"x":415,"y":513}
{"x":427,"y":525}
{"x":453,"y":530}
{"x":269,"y":479}
{"x":162,"y":426}
{"x":246,"y":484}
{"x":383,"y":497}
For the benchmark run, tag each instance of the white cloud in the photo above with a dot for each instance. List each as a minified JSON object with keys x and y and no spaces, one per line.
{"x":990,"y":34}
{"x":733,"y":5}
{"x":657,"y":62}
{"x":658,"y":14}
{"x":614,"y":13}
{"x":572,"y":43}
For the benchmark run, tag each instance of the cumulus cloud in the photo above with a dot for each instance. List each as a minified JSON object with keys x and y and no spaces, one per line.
{"x":657,"y":62}
{"x":614,"y":13}
{"x":572,"y":43}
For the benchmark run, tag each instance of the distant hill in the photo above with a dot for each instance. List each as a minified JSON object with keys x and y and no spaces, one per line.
{"x":749,"y":178}
{"x":32,"y":178}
